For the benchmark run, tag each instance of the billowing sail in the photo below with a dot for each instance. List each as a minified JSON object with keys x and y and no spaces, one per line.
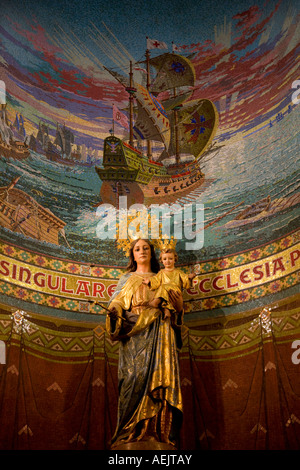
{"x":64,"y":138}
{"x":6,"y":134}
{"x":197,"y":125}
{"x":152,"y":122}
{"x":176,"y":101}
{"x":173,"y":71}
{"x":184,"y":127}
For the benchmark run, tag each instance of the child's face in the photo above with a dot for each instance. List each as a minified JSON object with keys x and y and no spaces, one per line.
{"x":168,"y":260}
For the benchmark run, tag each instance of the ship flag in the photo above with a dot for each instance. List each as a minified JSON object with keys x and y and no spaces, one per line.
{"x":153,"y":44}
{"x":140,"y":69}
{"x":175,"y":48}
{"x":120,"y":117}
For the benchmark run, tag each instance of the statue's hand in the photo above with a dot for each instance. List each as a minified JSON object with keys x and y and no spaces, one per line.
{"x":176,"y":300}
{"x":113,"y":314}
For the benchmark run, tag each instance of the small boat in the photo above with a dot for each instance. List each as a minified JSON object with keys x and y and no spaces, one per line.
{"x":262,"y":209}
{"x":10,"y":147}
{"x":255,"y":209}
{"x":16,"y":150}
{"x":20,"y":212}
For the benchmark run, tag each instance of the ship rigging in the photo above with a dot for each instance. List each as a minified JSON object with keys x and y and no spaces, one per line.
{"x":164,"y":113}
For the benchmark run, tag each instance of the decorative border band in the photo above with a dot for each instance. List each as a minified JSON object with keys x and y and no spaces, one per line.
{"x":229,"y":281}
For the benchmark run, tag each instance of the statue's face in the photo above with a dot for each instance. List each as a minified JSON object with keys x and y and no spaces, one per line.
{"x":168,"y":260}
{"x":142,"y":252}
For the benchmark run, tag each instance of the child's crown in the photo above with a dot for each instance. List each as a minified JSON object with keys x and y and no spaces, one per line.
{"x":165,"y":243}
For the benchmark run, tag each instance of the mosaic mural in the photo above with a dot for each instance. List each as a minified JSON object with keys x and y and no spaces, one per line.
{"x":85,"y":88}
{"x":191,"y":108}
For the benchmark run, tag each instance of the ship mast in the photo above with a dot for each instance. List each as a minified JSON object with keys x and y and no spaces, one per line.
{"x":149,"y":150}
{"x":131,"y":90}
{"x":175,"y":109}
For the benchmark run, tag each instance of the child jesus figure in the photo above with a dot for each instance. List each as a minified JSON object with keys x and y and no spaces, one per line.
{"x":169,"y":278}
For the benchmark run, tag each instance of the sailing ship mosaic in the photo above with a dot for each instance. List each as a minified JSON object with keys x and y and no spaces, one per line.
{"x":211,"y":121}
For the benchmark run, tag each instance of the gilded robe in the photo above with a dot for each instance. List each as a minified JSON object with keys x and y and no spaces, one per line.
{"x":164,"y":281}
{"x":150,"y":400}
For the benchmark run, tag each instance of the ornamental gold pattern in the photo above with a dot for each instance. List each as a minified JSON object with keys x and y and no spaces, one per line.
{"x":61,"y":284}
{"x":240,"y":337}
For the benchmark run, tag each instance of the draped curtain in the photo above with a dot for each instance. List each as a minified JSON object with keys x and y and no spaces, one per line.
{"x":239,"y":379}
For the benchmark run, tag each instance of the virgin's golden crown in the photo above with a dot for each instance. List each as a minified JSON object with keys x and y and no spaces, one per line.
{"x":162,"y":243}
